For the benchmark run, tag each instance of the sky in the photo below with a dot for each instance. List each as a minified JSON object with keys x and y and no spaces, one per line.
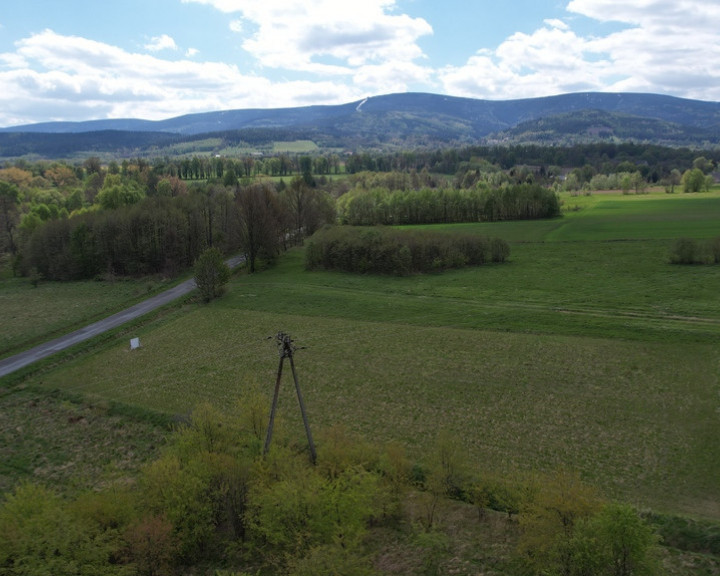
{"x":154,"y":59}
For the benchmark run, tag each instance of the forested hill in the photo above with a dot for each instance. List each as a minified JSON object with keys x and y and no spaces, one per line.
{"x":408,"y":120}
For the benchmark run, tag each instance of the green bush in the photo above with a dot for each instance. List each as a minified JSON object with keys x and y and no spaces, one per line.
{"x":363,"y":206}
{"x":211,"y":274}
{"x":692,"y":251}
{"x":713,"y":246}
{"x":614,"y":542}
{"x":686,"y":251}
{"x":701,"y":536}
{"x":40,"y":534}
{"x":380,"y":250}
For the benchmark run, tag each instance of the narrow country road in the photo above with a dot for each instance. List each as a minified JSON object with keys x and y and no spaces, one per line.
{"x":13,"y":363}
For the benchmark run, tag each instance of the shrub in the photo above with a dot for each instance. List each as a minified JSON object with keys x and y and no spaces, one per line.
{"x":686,"y":251}
{"x":40,"y":534}
{"x":614,"y":541}
{"x":499,"y":250}
{"x":150,"y":545}
{"x":211,"y":274}
{"x":701,"y":536}
{"x":388,"y":251}
{"x":332,"y":559}
{"x":714,"y":249}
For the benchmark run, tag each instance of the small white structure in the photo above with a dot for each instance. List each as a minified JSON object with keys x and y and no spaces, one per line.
{"x":134,"y":343}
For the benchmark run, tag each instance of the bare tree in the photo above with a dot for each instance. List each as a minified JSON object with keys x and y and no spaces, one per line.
{"x":308,"y":207}
{"x":260,"y":215}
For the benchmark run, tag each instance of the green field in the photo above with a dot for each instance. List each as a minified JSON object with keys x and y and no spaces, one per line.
{"x":295,"y":146}
{"x":642,"y":217}
{"x":71,"y":445}
{"x":587,"y":351}
{"x":31,"y":315}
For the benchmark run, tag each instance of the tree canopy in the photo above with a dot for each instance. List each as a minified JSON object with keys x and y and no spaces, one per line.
{"x":211,"y":274}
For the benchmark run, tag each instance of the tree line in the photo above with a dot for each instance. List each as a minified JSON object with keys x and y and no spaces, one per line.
{"x":430,"y":206}
{"x":647,"y":164}
{"x":388,"y":251}
{"x":200,"y":199}
{"x":67,"y":223}
{"x":654,"y":161}
{"x":132,"y":234}
{"x":203,"y":167}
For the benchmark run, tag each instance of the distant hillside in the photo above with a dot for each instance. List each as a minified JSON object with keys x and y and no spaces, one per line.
{"x":407,"y":120}
{"x":588,"y":126}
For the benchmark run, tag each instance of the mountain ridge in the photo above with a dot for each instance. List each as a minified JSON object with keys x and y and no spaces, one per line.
{"x":409,"y":120}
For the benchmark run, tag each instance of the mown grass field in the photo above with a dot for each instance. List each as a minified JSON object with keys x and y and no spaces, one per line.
{"x":295,"y":146}
{"x":587,"y":351}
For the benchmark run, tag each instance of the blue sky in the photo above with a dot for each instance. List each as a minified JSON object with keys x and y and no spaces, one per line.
{"x":87,"y":59}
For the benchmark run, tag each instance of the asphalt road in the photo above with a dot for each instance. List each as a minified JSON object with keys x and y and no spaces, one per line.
{"x":13,"y":363}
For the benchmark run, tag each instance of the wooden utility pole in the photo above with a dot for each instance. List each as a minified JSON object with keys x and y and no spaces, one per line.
{"x":286,"y":350}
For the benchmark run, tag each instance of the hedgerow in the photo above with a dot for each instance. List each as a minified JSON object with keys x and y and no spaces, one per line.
{"x":368,"y":207}
{"x":693,"y":251}
{"x":380,"y":250}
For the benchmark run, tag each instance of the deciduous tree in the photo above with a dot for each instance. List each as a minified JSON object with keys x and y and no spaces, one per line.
{"x":693,"y":180}
{"x":9,"y":200}
{"x":549,"y":523}
{"x":116,"y":192}
{"x":614,"y":542}
{"x":211,"y":274}
{"x":260,"y":218}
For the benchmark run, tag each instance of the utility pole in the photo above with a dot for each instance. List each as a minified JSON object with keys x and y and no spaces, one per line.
{"x":286,"y":349}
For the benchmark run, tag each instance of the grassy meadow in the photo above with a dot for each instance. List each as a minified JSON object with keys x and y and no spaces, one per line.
{"x":34,"y":314}
{"x":587,"y":351}
{"x":295,"y":146}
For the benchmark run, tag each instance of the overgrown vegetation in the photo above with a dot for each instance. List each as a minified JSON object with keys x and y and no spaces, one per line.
{"x":166,"y":234}
{"x":389,"y":251}
{"x":212,"y":499}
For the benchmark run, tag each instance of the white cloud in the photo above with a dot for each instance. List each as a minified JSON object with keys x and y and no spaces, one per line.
{"x":345,"y":52}
{"x":159,"y":43}
{"x":556,"y":23}
{"x":305,"y":36}
{"x":667,"y":46}
{"x":652,"y":14}
{"x":390,"y":77}
{"x":671,"y":46}
{"x":549,"y":61}
{"x":56,"y":77}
